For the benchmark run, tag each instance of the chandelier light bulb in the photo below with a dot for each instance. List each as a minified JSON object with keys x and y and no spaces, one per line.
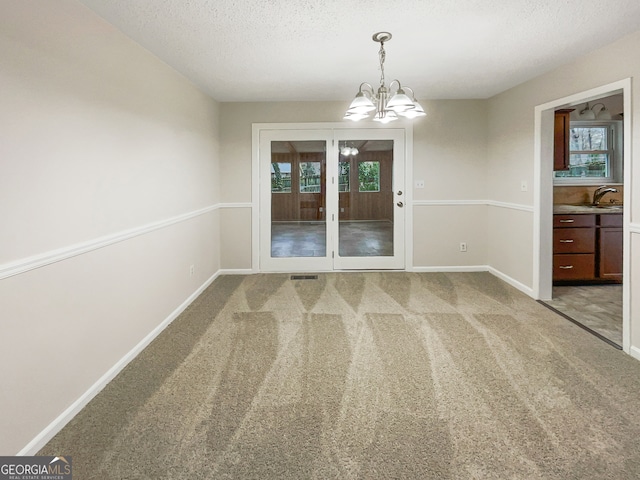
{"x":347,"y":151}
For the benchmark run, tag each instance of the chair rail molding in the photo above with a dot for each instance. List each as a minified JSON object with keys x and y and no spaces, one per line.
{"x":24,"y":265}
{"x":489,"y":203}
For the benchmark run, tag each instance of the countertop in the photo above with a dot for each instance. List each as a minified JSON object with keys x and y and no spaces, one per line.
{"x":562,"y":209}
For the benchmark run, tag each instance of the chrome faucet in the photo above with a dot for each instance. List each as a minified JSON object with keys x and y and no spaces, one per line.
{"x":600,"y":192}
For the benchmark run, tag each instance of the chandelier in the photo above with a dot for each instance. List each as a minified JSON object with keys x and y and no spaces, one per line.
{"x":347,"y":150}
{"x":388,"y":102}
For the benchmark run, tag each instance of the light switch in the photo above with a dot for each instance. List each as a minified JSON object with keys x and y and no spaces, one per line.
{"x":523,"y":186}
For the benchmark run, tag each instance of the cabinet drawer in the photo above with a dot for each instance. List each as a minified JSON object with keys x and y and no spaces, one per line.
{"x":574,"y":240}
{"x":574,"y":267}
{"x":587,"y":220}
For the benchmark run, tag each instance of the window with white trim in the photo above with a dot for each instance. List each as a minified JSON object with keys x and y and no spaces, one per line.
{"x":595,"y":154}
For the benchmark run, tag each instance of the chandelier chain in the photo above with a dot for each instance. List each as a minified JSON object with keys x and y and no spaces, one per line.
{"x":382,"y":56}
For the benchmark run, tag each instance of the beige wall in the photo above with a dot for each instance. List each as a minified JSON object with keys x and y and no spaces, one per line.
{"x":98,"y":139}
{"x":235,"y":238}
{"x":438,"y":231}
{"x":511,"y":152}
{"x":449,"y":154}
{"x":450,"y":151}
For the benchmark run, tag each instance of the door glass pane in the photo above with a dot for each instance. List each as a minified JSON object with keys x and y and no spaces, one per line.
{"x":366,"y":210}
{"x":298,"y":192}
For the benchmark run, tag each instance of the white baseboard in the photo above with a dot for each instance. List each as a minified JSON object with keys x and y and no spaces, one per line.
{"x":635,"y":352}
{"x":447,"y":269}
{"x":65,"y":417}
{"x":236,"y":271}
{"x":512,"y":281}
{"x":479,"y":268}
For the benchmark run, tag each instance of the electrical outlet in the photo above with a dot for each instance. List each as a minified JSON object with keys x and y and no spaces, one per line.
{"x":191,"y":270}
{"x":463,"y":246}
{"x":419,"y":183}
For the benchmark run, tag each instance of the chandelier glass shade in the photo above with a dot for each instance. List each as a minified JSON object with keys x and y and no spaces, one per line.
{"x":347,"y":150}
{"x":385,"y":104}
{"x":589,"y":113}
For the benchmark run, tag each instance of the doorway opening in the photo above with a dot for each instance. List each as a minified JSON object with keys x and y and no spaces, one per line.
{"x":582,"y":245}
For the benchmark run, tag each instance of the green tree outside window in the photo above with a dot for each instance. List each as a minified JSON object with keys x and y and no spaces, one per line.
{"x":369,"y":176}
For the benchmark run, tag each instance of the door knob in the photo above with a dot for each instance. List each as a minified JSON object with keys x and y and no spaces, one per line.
{"x":400,"y":204}
{"x":399,"y":192}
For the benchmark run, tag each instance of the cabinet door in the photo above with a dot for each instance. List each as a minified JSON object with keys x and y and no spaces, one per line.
{"x":561,"y":139}
{"x":610,"y":251}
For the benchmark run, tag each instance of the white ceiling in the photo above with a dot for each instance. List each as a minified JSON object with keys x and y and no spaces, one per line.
{"x":279,"y":50}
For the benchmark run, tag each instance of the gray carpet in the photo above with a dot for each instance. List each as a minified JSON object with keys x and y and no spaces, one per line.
{"x":364,"y":376}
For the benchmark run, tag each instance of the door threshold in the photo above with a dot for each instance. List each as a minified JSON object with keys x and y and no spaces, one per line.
{"x":584,"y":327}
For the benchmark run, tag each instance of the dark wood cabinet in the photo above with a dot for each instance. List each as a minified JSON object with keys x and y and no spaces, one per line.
{"x":587,"y":248}
{"x":561,"y":139}
{"x":574,"y":247}
{"x":610,"y":248}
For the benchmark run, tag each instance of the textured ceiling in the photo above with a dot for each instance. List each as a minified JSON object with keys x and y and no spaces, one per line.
{"x":278,"y":50}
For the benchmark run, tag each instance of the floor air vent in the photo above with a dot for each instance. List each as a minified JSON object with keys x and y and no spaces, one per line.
{"x":304,"y":277}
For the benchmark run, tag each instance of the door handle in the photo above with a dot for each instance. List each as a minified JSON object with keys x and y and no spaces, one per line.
{"x":399,"y":192}
{"x":400,"y":204}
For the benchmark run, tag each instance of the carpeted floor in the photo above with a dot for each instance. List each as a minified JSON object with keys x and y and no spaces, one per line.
{"x":364,"y":376}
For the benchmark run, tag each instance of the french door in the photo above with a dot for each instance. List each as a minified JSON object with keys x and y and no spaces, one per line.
{"x":332,"y":199}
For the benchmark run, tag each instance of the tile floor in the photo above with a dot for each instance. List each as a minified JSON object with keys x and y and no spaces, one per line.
{"x":307,"y":239}
{"x":298,"y":239}
{"x":366,"y":239}
{"x":598,"y":307}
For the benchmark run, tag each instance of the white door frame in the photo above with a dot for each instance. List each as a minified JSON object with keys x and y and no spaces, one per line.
{"x":255,"y":178}
{"x":543,"y":196}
